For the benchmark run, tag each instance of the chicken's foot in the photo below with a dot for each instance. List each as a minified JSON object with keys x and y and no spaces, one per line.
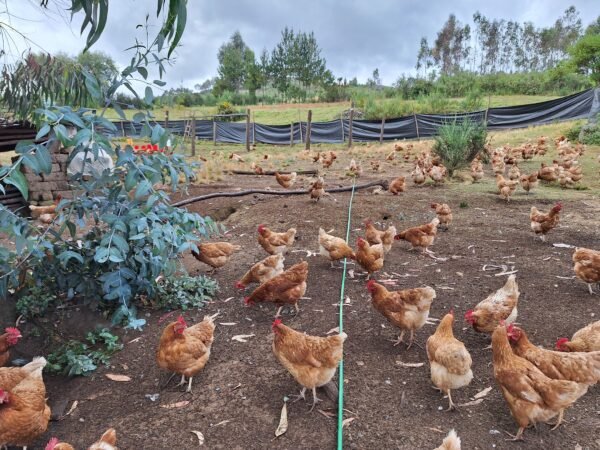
{"x":590,"y":288}
{"x":451,"y":405}
{"x":182,"y":382}
{"x":278,"y":315}
{"x":302,"y":396}
{"x":559,"y":421}
{"x":315,"y":398}
{"x":518,"y":436}
{"x":189,"y":388}
{"x":399,"y":340}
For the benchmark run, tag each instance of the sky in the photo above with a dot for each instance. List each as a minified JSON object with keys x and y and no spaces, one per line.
{"x":355,"y":36}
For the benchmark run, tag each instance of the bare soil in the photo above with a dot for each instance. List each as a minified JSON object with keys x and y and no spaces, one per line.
{"x":237,"y":399}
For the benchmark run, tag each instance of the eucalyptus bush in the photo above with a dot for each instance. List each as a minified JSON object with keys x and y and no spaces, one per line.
{"x":119,"y":233}
{"x":458,"y":143}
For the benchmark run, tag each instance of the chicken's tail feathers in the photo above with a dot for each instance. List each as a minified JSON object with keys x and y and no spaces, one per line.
{"x":452,"y":441}
{"x":38,"y":363}
{"x":343,"y":336}
{"x":400,"y":235}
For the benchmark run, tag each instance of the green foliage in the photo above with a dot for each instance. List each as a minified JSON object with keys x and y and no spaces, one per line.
{"x":472,"y":102}
{"x":82,"y":358}
{"x":35,"y":302}
{"x":225,"y":108}
{"x":236,"y":59}
{"x":463,"y":205}
{"x":184,"y":292}
{"x":585,"y":56}
{"x":458,"y":143}
{"x":588,"y":133}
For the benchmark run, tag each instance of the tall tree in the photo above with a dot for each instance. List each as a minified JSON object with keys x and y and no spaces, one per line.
{"x":233,"y":57}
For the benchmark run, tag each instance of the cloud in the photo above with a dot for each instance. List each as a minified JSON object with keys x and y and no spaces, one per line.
{"x":355,"y":36}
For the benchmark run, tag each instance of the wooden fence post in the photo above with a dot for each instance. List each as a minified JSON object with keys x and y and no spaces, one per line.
{"x":382,"y":130}
{"x":308,"y":129}
{"x":292,"y":134}
{"x":193,"y":132}
{"x":416,"y":124}
{"x":248,"y":130}
{"x":350,"y":125}
{"x":166,"y":119}
{"x":214,"y":131}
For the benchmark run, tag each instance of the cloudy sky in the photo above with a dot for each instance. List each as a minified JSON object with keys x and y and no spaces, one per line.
{"x":355,"y":36}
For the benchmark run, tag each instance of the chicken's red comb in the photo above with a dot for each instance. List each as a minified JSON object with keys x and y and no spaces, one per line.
{"x":451,"y":312}
{"x":261,"y":227}
{"x":13,"y":331}
{"x":181,"y":321}
{"x":370,"y":284}
{"x":52,"y":443}
{"x":560,"y":342}
{"x":3,"y":396}
{"x":277,"y":322}
{"x":502,"y":323}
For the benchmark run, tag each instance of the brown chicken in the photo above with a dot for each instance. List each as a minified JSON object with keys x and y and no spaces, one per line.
{"x":257,"y":169}
{"x":24,"y":414}
{"x":437,"y":174}
{"x":274,"y":242}
{"x":354,"y":169}
{"x":585,"y":340}
{"x":375,"y":236}
{"x":375,"y":165}
{"x":420,"y":237}
{"x":407,"y":309}
{"x":286,"y":180}
{"x":548,"y":173}
{"x":48,"y":211}
{"x":450,"y":442}
{"x":311,"y":360}
{"x":10,"y":338}
{"x":528,"y":182}
{"x":532,"y":397}
{"x":449,"y":359}
{"x":283,"y":289}
{"x":587,"y":266}
{"x":418,"y":174}
{"x":55,"y":444}
{"x":215,"y":254}
{"x":477,"y":170}
{"x":397,"y":185}
{"x":262,"y":271}
{"x":108,"y":441}
{"x":317,"y":189}
{"x":444,"y":214}
{"x":236,"y":157}
{"x":391,"y":156}
{"x":185,"y":350}
{"x":334,"y":248}
{"x":542,"y":223}
{"x":370,"y":257}
{"x":497,"y":307}
{"x":506,"y":188}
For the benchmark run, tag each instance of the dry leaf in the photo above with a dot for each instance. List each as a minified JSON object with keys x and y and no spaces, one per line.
{"x":351,"y":273}
{"x":283,"y":421}
{"x":222,"y":422}
{"x":227,"y":299}
{"x":483,"y":393}
{"x":72,"y":408}
{"x":116,"y":377}
{"x":347,"y":421}
{"x":228,"y":324}
{"x":405,"y":364}
{"x":176,"y":404}
{"x":334,"y":330}
{"x":473,"y":403}
{"x":200,"y":437}
{"x":326,"y":413}
{"x":135,"y":340}
{"x":242,"y":337}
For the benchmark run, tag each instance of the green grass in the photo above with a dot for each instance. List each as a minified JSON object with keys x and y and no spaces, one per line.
{"x":292,"y":112}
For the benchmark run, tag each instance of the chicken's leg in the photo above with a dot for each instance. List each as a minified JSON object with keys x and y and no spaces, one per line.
{"x":411,"y":340}
{"x":315,"y":398}
{"x":560,"y":419}
{"x":590,"y":288}
{"x":300,"y":396}
{"x":182,"y":382}
{"x":399,"y":340}
{"x":297,"y":308}
{"x":279,"y":312}
{"x":518,"y":436}
{"x":451,"y":404}
{"x":189,"y":388}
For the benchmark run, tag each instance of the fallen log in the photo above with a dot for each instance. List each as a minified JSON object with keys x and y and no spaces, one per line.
{"x":271,"y":172}
{"x":383,"y":183}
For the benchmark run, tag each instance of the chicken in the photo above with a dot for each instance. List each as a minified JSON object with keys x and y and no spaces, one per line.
{"x":418,"y":175}
{"x":283,"y":289}
{"x":24,"y":414}
{"x":444,"y":214}
{"x":328,"y":159}
{"x":108,"y":441}
{"x":311,"y":360}
{"x":575,"y":173}
{"x":215,"y":254}
{"x":391,"y":156}
{"x":262,"y":271}
{"x":528,"y":182}
{"x":564,"y":178}
{"x":375,"y":165}
{"x":10,"y":338}
{"x":506,"y":187}
{"x":407,"y":309}
{"x":355,"y":169}
{"x":397,"y":185}
{"x":316,"y":158}
{"x":548,"y":173}
{"x":585,"y":340}
{"x":257,"y":169}
{"x":532,"y":397}
{"x":449,"y":359}
{"x":587,"y":266}
{"x":185,"y":350}
{"x":286,"y":180}
{"x":274,"y":242}
{"x":421,"y":236}
{"x":317,"y":189}
{"x":514,"y":173}
{"x":48,"y":210}
{"x":375,"y":236}
{"x":542,"y":223}
{"x":370,"y":257}
{"x":334,"y":248}
{"x":499,"y":306}
{"x":55,"y":444}
{"x":236,"y":157}
{"x":437,"y":174}
{"x":581,"y":367}
{"x":450,"y":442}
{"x":477,"y":170}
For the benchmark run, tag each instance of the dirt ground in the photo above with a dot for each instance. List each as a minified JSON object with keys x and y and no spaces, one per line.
{"x":237,"y":399}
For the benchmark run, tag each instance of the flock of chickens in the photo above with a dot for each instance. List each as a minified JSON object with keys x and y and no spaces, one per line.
{"x":537,"y":384}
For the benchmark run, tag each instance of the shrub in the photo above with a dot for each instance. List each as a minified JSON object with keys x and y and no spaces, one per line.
{"x":458,"y":143}
{"x":589,"y":133}
{"x":35,"y":302}
{"x":184,"y":292}
{"x":81,"y":358}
